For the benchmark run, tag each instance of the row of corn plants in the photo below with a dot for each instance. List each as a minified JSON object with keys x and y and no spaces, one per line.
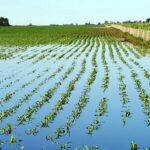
{"x":26,"y":97}
{"x":83,"y":100}
{"x":44,"y":99}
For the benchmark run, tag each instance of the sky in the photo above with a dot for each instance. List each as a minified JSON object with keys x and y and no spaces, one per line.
{"x":45,"y":12}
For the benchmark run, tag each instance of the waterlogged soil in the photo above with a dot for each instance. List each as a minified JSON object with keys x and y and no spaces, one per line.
{"x":120,"y":121}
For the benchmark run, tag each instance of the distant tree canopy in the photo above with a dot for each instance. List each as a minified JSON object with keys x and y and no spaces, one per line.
{"x":87,"y":23}
{"x":4,"y":22}
{"x":106,"y":22}
{"x":148,"y":20}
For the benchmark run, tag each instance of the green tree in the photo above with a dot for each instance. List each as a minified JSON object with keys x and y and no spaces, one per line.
{"x":148,"y":20}
{"x":4,"y":21}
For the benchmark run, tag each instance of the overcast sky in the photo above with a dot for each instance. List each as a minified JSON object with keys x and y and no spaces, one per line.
{"x":45,"y":12}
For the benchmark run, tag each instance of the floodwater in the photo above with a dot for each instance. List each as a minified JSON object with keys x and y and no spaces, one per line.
{"x":113,"y":132}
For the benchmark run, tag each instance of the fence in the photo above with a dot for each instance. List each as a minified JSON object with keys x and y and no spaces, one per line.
{"x":144,"y":34}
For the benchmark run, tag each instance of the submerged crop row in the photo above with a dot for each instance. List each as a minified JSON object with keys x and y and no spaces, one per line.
{"x":66,"y":95}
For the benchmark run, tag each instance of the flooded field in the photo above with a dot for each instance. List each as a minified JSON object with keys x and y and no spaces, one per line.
{"x":91,"y":94}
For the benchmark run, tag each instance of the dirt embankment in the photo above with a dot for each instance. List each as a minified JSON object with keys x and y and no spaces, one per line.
{"x":145,"y":35}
